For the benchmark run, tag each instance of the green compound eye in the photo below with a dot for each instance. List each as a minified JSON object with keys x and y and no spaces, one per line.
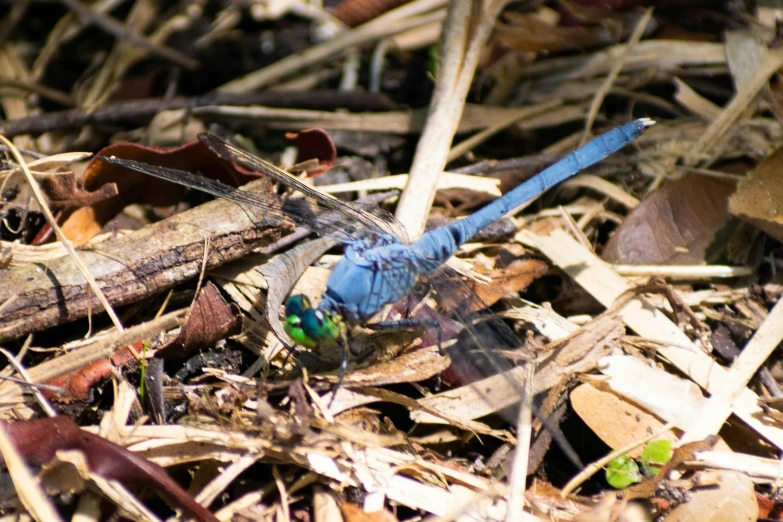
{"x":296,"y":305}
{"x":293,"y":327}
{"x":312,"y":327}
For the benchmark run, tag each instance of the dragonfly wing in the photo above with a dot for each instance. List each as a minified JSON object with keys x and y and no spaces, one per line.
{"x":337,"y":225}
{"x":253,"y":163}
{"x":386,"y":220}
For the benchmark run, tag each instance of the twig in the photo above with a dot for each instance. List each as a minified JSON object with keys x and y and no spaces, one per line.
{"x":88,"y":16}
{"x":145,"y":109}
{"x":465,"y":33}
{"x":516,"y":496}
{"x":45,"y":92}
{"x":684,"y":272}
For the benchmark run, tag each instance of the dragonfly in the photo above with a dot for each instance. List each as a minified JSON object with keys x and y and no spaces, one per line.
{"x":380,"y":266}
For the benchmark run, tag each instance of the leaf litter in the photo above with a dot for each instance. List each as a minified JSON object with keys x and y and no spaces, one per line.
{"x":619,"y":357}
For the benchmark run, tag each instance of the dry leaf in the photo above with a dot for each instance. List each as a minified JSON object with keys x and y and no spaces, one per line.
{"x":759,"y":197}
{"x":616,"y":422}
{"x":211,"y":319}
{"x":676,"y":225}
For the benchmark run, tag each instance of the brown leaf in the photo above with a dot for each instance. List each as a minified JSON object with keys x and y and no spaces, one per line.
{"x":759,"y":197}
{"x":515,"y":277}
{"x":616,"y":421}
{"x":676,"y":225}
{"x":39,"y":440}
{"x":211,"y":319}
{"x":314,"y":144}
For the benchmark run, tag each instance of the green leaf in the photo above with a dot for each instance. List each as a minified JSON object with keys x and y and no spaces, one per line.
{"x":622,"y":472}
{"x":656,"y":452}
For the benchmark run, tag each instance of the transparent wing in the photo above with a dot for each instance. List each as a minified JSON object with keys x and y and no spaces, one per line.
{"x":300,"y":211}
{"x":359,"y":215}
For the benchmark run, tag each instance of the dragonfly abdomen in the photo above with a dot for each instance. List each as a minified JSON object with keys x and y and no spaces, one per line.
{"x":444,"y":241}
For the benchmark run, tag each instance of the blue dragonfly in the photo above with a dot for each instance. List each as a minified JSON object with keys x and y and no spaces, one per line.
{"x":380,"y":266}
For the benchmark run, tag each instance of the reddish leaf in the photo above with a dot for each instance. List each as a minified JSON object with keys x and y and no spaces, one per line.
{"x":134,"y":187}
{"x":315,"y":144}
{"x":766,"y":505}
{"x":211,"y":319}
{"x":77,"y":384}
{"x":39,"y":440}
{"x":674,"y":226}
{"x":192,"y":156}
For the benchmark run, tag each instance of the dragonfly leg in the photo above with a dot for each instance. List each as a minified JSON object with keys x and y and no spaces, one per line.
{"x":291,"y":352}
{"x":343,"y":364}
{"x":409,"y":324}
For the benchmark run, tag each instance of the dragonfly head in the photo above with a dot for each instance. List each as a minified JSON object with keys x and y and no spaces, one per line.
{"x":308,"y":326}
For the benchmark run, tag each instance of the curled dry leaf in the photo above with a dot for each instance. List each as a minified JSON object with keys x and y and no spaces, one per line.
{"x":677,"y":225}
{"x":314,"y":144}
{"x":38,"y":441}
{"x":211,"y":319}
